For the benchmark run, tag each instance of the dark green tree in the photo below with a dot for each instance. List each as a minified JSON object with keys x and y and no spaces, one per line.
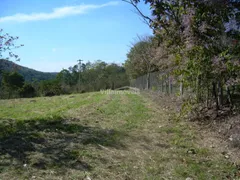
{"x":12,"y":82}
{"x":27,"y":91}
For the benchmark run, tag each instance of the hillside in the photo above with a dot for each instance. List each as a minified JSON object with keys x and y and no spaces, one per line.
{"x":28,"y":74}
{"x":106,"y":136}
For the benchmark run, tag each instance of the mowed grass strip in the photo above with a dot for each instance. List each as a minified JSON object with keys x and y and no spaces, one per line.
{"x":46,"y":135}
{"x":101,"y":136}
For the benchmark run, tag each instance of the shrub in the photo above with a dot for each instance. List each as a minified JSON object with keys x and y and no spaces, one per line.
{"x":27,"y":91}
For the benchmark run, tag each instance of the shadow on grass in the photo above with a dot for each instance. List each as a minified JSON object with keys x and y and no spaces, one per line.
{"x":54,"y":143}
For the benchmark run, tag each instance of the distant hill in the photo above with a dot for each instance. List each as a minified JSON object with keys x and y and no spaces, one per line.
{"x":29,"y":75}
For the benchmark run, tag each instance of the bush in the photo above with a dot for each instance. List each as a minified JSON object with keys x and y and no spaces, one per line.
{"x":50,"y":88}
{"x":27,"y":91}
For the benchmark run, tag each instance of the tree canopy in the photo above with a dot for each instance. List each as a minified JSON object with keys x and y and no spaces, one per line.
{"x":197,"y":41}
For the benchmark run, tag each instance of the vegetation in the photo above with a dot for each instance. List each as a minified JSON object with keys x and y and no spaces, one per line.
{"x":29,"y":75}
{"x":12,"y":82}
{"x":140,"y":59}
{"x":93,"y":77}
{"x":198,"y":42}
{"x":126,"y":135}
{"x":87,"y":78}
{"x":7,"y":45}
{"x":101,"y":136}
{"x":17,"y":81}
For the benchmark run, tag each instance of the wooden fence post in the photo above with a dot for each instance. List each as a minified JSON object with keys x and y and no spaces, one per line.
{"x":181,"y":86}
{"x":170,"y":84}
{"x":162,"y":84}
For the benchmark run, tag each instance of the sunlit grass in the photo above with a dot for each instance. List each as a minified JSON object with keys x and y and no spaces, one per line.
{"x":121,"y":136}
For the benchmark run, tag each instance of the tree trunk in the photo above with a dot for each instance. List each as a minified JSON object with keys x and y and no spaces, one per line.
{"x":220,"y":93}
{"x":197,"y":88}
{"x":166,"y":85}
{"x":208,"y":97}
{"x":215,"y":95}
{"x":162,"y":81}
{"x":229,"y":96}
{"x":148,"y":81}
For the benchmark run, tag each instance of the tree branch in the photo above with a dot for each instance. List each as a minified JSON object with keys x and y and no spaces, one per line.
{"x":139,"y":12}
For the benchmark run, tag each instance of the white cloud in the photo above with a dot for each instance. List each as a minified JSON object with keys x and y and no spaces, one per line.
{"x":56,"y":13}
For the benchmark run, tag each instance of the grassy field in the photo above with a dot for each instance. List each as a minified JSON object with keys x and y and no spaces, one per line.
{"x":99,"y":136}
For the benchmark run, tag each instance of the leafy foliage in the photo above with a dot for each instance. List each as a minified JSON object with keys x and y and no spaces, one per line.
{"x":199,"y":42}
{"x":92,"y":77}
{"x":140,"y":57}
{"x":49,"y":88}
{"x":27,"y":91}
{"x":12,"y":83}
{"x":13,"y":80}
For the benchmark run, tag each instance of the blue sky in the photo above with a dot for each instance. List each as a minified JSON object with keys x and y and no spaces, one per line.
{"x":56,"y":33}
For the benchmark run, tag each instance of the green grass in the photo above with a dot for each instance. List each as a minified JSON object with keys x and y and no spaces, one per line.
{"x":46,"y":107}
{"x":102,"y":137}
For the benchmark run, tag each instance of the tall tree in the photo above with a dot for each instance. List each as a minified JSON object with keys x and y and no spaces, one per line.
{"x":140,"y":58}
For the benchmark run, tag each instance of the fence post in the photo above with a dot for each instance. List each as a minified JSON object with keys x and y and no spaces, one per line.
{"x":166,"y":83}
{"x":148,"y":81}
{"x":181,"y":86}
{"x":170,"y":84}
{"x":162,"y":84}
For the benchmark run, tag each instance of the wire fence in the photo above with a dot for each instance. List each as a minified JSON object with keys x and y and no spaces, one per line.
{"x":158,"y":81}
